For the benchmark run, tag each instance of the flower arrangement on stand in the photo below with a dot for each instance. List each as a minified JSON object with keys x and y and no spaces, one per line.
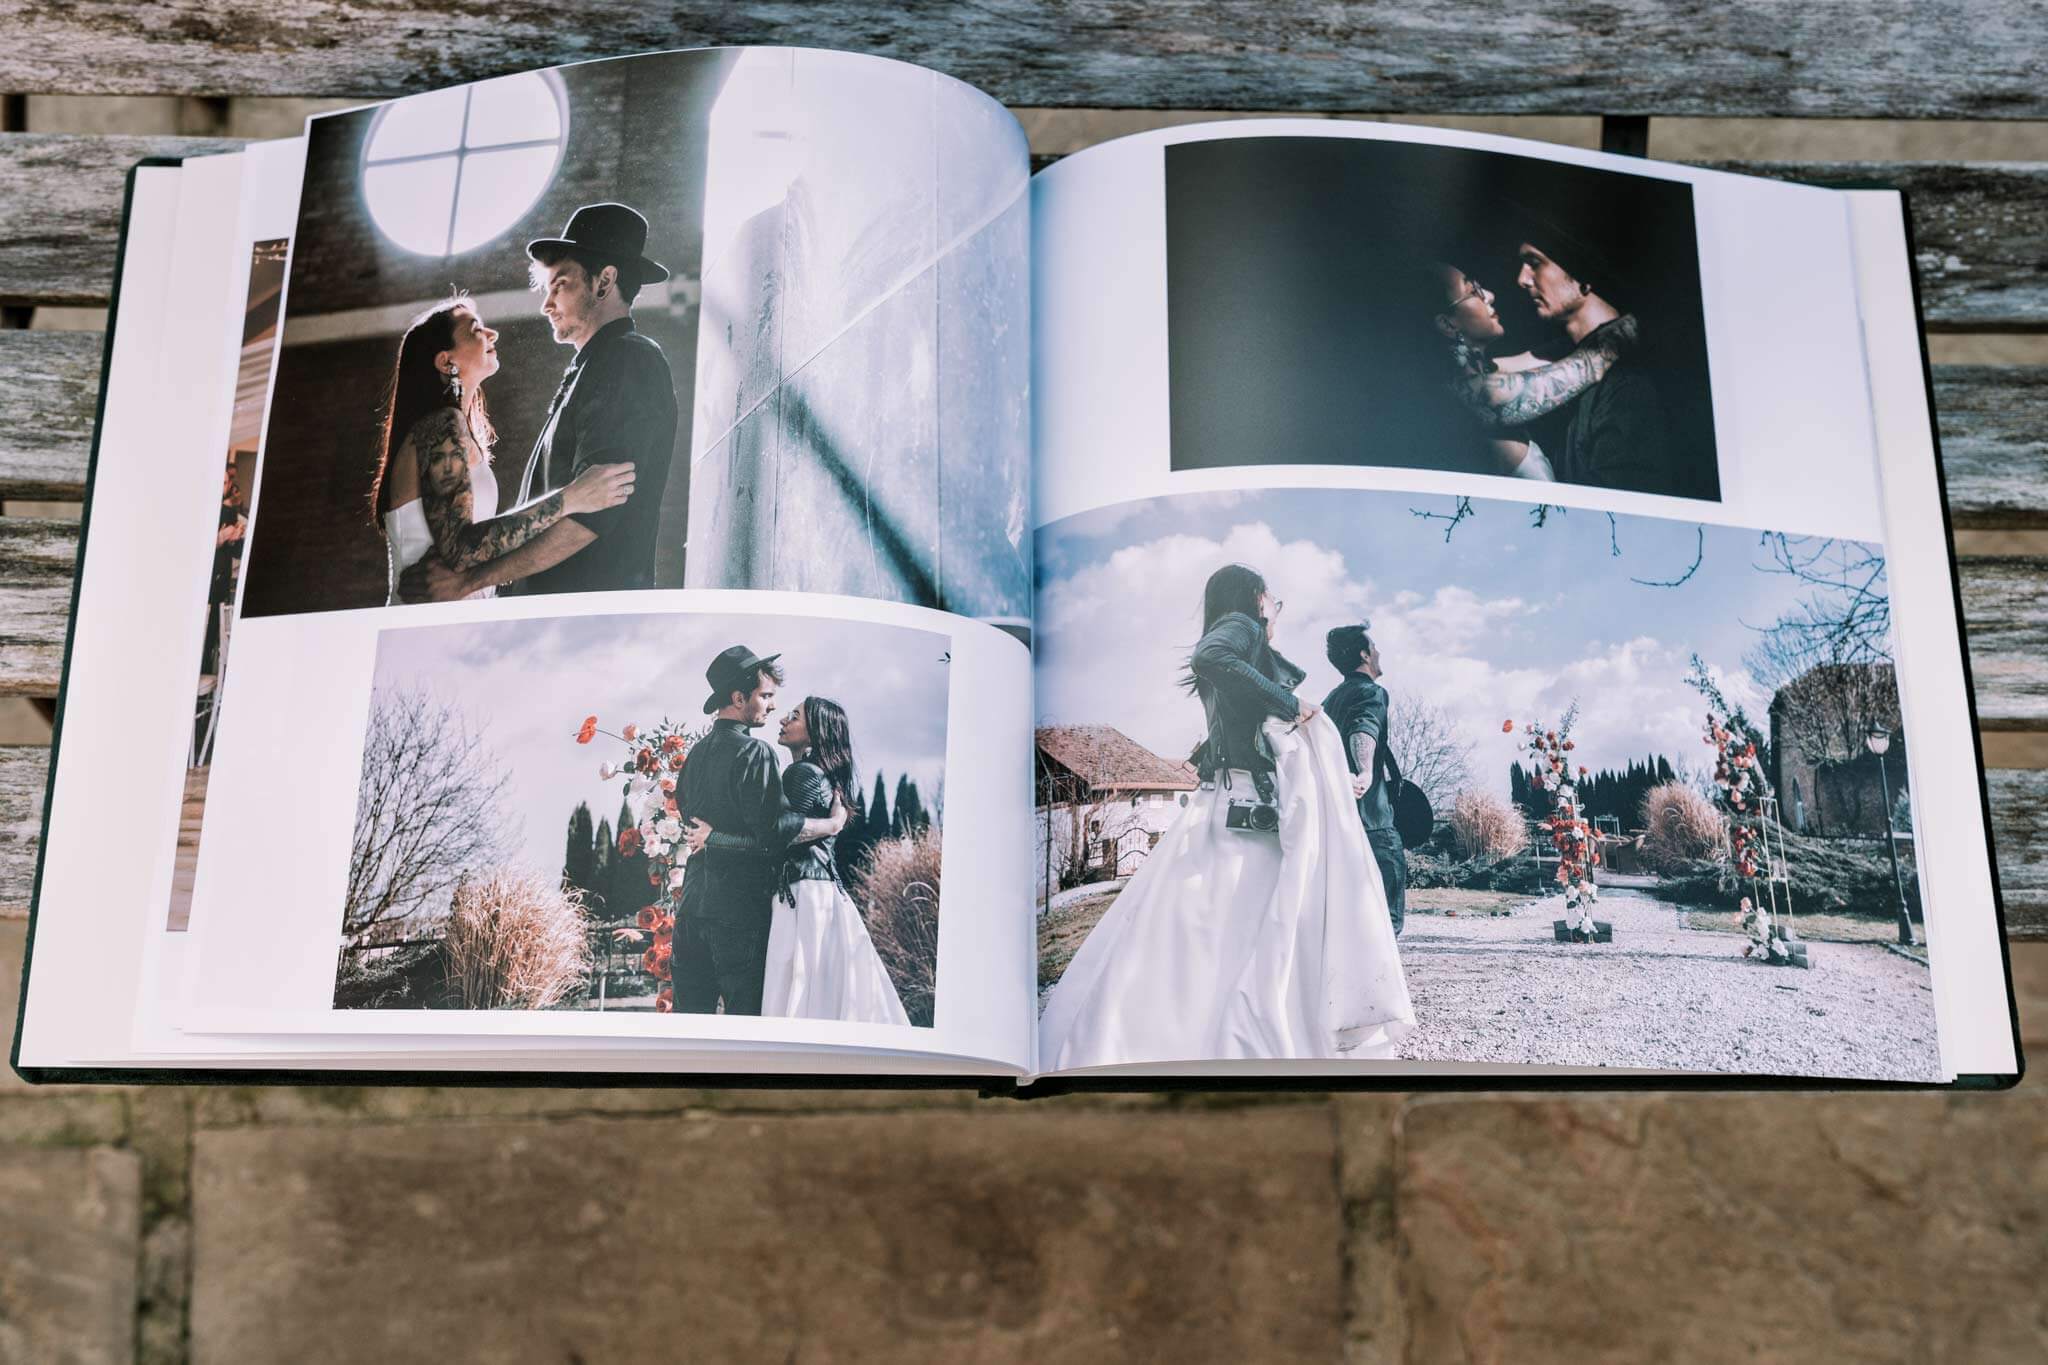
{"x":1740,"y":793}
{"x":654,"y":761}
{"x":1570,"y":832}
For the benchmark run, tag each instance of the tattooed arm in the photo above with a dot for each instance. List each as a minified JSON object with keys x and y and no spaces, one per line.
{"x":460,"y":540}
{"x":1514,"y":399}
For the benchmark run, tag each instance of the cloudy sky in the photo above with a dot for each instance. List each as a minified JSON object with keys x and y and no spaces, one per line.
{"x":532,"y":682}
{"x":1504,"y":620}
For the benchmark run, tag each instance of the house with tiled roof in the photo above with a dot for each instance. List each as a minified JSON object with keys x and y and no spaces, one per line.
{"x":1103,"y":801}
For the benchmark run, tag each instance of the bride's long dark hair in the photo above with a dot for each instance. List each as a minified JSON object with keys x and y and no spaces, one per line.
{"x":1234,"y":587}
{"x":831,"y":745}
{"x":417,"y":388}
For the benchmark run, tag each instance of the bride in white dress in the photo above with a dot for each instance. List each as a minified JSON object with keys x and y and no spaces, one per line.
{"x":1258,"y":927}
{"x":433,"y":475}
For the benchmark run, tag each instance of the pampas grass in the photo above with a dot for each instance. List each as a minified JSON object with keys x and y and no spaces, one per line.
{"x":1483,"y":825}
{"x":515,"y":940}
{"x":1681,"y":826}
{"x":898,"y":891}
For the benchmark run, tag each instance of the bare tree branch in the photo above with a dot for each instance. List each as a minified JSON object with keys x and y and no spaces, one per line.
{"x":1698,"y":556}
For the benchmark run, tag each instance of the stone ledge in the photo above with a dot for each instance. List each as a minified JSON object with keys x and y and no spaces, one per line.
{"x":68,"y":1254}
{"x":1002,"y":1234}
{"x":1869,"y":1227}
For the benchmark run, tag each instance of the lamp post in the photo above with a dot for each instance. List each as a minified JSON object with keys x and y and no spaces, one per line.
{"x":1878,"y":739}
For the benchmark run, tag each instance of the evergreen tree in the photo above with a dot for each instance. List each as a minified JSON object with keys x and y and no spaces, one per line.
{"x":576,"y":857}
{"x":603,"y":851}
{"x":910,"y":817}
{"x":629,"y":889}
{"x":878,"y":812}
{"x":851,"y":847}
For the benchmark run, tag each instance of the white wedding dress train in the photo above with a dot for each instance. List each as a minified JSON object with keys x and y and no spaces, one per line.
{"x":822,"y":964}
{"x":1235,"y":944}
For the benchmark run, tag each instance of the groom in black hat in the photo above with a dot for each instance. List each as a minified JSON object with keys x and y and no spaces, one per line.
{"x":732,"y":783}
{"x":616,"y":404}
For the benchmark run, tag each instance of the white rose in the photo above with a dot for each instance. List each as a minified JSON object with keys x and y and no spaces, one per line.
{"x":669,"y":828}
{"x":675,"y":879}
{"x":606,"y":771}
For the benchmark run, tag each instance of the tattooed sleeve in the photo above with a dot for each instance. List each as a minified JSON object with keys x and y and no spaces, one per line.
{"x":1500,"y":399}
{"x":1361,"y":751}
{"x":462,"y":542}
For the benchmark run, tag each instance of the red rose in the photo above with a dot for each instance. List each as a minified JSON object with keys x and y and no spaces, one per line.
{"x":645,"y":919}
{"x":589,"y":730}
{"x":1507,"y":727}
{"x":654,"y":875}
{"x":675,"y":765}
{"x":629,"y":841}
{"x":664,"y":1001}
{"x":668,"y":785}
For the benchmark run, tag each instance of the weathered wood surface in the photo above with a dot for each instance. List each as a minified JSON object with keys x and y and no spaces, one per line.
{"x":24,"y":771}
{"x":46,"y":411}
{"x":60,"y":209}
{"x":2005,"y":608}
{"x":2019,"y":806}
{"x":1971,"y":59}
{"x":36,"y":558}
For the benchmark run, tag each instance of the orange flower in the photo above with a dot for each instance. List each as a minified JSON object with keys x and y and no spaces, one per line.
{"x":673,"y":743}
{"x":1507,"y":727}
{"x":675,"y":764}
{"x":668,"y":808}
{"x":647,"y":917}
{"x":668,"y":786}
{"x":629,"y":841}
{"x":664,"y":1001}
{"x":589,"y":730}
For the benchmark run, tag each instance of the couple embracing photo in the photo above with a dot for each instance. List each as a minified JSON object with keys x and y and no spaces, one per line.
{"x":765,"y":925}
{"x":588,"y":505}
{"x":1262,"y":924}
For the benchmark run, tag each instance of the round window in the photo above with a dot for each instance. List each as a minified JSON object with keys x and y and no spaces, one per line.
{"x":446,"y":172}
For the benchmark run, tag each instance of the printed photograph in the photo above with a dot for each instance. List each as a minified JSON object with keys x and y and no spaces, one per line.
{"x":1339,"y":301}
{"x":700,"y":813}
{"x":1351,"y":774}
{"x":672,"y":321}
{"x":252,"y":381}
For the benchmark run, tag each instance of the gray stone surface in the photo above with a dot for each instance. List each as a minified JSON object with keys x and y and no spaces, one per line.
{"x":1002,"y":1235}
{"x":1854,"y":1227}
{"x":69,"y":1223}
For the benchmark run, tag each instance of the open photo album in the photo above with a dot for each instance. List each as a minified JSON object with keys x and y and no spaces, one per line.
{"x":702,"y":565}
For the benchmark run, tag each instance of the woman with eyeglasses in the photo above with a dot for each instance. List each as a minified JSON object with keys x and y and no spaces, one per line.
{"x":1258,"y":926}
{"x":1504,"y":394}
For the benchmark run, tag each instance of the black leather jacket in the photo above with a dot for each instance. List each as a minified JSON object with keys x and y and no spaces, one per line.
{"x":1241,"y":680}
{"x":732,"y":782}
{"x":809,"y":794}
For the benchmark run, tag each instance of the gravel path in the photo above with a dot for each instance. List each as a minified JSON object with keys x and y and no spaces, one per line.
{"x":1661,"y":995}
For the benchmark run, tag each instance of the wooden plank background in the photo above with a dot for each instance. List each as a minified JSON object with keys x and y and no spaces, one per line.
{"x":1750,"y":58}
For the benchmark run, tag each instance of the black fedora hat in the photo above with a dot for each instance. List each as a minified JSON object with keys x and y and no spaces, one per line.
{"x":613,"y":231}
{"x":732,"y":671}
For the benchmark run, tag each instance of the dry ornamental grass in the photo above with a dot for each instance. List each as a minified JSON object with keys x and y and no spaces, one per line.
{"x":898,"y":888}
{"x":515,"y":940}
{"x":1682,"y":827}
{"x":1483,"y":825}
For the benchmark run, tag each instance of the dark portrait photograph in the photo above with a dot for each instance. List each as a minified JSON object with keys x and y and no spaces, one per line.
{"x":1345,"y":301}
{"x":659,"y":323}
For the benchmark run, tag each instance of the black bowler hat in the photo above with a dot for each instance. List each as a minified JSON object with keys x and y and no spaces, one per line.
{"x":732,"y":671}
{"x":613,"y":231}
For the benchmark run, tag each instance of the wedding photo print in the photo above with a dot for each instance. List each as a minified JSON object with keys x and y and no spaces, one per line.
{"x":238,"y":473}
{"x":1367,"y":775}
{"x":669,"y":322}
{"x":701,"y":813}
{"x":1347,"y":301}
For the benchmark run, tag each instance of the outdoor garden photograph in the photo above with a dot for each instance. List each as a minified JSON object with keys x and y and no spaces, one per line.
{"x":1647,"y":783}
{"x":674,"y":823}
